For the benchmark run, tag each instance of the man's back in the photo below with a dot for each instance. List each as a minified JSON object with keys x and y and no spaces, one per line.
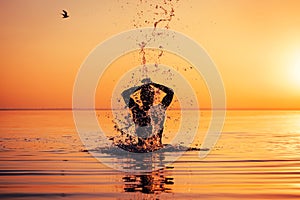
{"x":148,"y":104}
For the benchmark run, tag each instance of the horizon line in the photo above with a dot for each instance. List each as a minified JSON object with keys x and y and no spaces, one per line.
{"x":69,"y":109}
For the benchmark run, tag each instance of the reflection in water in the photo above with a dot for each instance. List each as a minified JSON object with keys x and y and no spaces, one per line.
{"x":154,"y":182}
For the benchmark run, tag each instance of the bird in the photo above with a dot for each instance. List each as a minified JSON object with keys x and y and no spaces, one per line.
{"x":65,"y":14}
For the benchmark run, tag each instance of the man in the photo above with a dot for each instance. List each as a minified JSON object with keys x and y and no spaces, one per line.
{"x":148,"y":104}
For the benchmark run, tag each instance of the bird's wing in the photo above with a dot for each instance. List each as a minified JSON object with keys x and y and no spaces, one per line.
{"x":64,"y":12}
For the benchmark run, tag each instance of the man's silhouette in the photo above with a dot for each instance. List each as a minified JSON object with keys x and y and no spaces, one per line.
{"x":148,"y":104}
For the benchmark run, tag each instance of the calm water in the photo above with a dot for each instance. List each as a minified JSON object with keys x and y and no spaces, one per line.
{"x":257,"y":157}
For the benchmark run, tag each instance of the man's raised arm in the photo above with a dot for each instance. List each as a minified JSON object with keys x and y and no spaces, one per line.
{"x":126,"y":96}
{"x":166,"y":101}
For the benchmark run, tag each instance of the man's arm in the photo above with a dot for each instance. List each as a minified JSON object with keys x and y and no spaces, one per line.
{"x":126,"y":96}
{"x":166,"y":101}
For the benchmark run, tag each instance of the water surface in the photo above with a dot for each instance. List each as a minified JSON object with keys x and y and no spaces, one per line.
{"x":257,"y":157}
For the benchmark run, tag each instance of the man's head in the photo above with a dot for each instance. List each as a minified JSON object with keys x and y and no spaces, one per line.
{"x":146,"y":80}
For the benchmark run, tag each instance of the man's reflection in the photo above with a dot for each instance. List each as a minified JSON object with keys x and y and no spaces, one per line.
{"x":149,"y":182}
{"x":155,"y":182}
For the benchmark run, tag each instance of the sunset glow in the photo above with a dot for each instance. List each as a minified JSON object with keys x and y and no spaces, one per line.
{"x":295,"y":72}
{"x":254,"y":44}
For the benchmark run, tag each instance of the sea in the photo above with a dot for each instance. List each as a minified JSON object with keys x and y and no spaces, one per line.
{"x":257,"y":156}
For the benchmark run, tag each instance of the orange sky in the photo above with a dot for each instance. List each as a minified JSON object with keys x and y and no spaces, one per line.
{"x":255,"y":45}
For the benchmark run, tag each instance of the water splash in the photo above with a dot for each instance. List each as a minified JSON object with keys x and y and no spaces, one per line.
{"x":164,"y":124}
{"x":155,"y":13}
{"x":141,"y":126}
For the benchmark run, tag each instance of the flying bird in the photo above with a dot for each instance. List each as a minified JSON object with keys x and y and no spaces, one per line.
{"x":65,"y":14}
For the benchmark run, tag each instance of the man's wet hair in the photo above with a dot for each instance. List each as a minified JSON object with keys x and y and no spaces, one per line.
{"x":146,"y":80}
